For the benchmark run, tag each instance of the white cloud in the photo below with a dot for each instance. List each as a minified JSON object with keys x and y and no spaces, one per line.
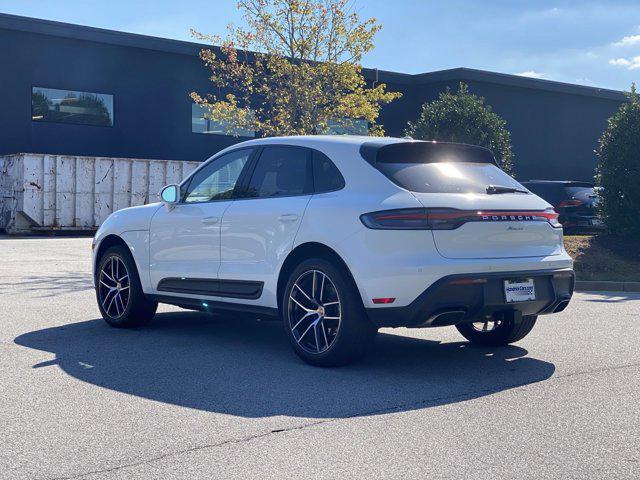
{"x":619,"y":62}
{"x":627,"y":41}
{"x":632,"y":63}
{"x":531,"y":74}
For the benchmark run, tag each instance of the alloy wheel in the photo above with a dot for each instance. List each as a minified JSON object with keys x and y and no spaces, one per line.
{"x":114,"y":287}
{"x":314,"y":311}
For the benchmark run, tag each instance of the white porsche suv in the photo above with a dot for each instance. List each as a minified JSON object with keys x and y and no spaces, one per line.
{"x":339,"y":236}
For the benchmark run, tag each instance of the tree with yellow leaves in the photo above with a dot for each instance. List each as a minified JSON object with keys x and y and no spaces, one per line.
{"x":293,"y":70}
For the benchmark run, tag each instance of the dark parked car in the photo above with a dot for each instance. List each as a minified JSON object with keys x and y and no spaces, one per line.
{"x":576,"y":203}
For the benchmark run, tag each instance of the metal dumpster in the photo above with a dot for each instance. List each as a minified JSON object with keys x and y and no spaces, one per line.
{"x":61,"y":192}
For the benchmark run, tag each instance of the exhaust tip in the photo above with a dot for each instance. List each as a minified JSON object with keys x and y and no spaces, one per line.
{"x":561,"y":306}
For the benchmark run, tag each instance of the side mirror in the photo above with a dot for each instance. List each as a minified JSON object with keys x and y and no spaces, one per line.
{"x":169,"y":195}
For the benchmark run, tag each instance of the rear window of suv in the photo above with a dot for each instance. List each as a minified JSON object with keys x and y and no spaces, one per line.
{"x":427,"y":167}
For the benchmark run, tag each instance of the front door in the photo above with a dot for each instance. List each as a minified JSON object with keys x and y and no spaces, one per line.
{"x":184,"y":245}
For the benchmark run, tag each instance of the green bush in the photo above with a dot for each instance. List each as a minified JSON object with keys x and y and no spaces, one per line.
{"x":464,"y":117}
{"x":618,"y":170}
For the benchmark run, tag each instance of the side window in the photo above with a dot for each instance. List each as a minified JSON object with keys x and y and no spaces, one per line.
{"x":326,"y":176}
{"x":217,"y":180}
{"x":281,"y":171}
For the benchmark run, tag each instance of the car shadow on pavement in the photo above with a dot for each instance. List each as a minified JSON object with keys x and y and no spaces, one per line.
{"x":246,"y":368}
{"x":43,"y":286}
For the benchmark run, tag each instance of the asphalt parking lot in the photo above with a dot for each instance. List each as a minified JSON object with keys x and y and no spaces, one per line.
{"x":199,"y":396}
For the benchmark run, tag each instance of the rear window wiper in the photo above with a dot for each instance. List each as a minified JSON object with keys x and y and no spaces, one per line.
{"x":496,"y":189}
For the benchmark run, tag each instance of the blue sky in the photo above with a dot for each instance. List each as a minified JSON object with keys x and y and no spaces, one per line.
{"x":587,"y":42}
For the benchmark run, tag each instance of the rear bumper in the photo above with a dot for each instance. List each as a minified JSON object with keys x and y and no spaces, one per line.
{"x":460,"y":298}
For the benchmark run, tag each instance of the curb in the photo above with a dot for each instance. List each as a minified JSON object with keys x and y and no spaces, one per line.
{"x":589,"y":286}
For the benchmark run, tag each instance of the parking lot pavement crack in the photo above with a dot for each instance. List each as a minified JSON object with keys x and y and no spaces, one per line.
{"x":197,"y":448}
{"x":388,"y":409}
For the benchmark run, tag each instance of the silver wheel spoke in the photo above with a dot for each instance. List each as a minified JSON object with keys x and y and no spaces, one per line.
{"x":322,"y":289}
{"x":303,"y":293}
{"x":324,"y":333}
{"x":301,"y":306}
{"x":313,"y":288}
{"x":117,"y":304}
{"x":315,"y":334}
{"x":305,"y":332}
{"x":300,"y":321}
{"x":111,"y":303}
{"x":485,"y":326}
{"x":106,"y":297}
{"x":330,"y":303}
{"x":331,"y":318}
{"x":121,"y":302}
{"x":104,"y":272}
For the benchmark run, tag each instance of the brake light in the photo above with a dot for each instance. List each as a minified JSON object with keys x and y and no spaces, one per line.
{"x":450,"y":218}
{"x":569,"y":203}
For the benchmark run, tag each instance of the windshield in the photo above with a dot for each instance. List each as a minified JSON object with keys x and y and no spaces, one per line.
{"x":447,"y":177}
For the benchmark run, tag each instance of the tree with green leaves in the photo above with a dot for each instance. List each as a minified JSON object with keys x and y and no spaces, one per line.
{"x":294,"y":69}
{"x":618,"y":168}
{"x":465,"y":118}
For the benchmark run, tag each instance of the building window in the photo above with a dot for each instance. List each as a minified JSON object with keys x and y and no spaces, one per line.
{"x":354,"y":126}
{"x":200,"y":124}
{"x":67,"y":106}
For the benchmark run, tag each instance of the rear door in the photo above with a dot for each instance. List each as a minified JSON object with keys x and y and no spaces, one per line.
{"x":482,"y":212}
{"x":258,"y":229}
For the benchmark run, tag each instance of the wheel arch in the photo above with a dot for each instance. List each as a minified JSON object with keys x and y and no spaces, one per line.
{"x":303,"y":252}
{"x":106,"y":243}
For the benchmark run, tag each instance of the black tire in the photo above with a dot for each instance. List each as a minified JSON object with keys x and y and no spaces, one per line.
{"x":508,"y":331}
{"x":137,"y":309}
{"x":354,"y":333}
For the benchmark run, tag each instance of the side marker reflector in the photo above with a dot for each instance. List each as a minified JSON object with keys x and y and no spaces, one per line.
{"x":384,"y":300}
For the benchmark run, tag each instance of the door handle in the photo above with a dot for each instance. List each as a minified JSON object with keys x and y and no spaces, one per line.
{"x":288,"y":217}
{"x":210,"y":220}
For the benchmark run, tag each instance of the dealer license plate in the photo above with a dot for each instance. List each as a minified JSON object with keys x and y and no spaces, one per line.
{"x":520,"y":290}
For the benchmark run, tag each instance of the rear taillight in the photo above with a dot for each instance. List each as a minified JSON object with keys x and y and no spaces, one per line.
{"x":401,"y":219}
{"x":450,"y":218}
{"x":569,"y":203}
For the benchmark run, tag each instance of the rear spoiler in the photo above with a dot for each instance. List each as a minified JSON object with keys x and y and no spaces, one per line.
{"x":425,"y":152}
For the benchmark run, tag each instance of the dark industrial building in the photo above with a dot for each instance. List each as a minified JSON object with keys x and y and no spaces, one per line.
{"x":70,"y":89}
